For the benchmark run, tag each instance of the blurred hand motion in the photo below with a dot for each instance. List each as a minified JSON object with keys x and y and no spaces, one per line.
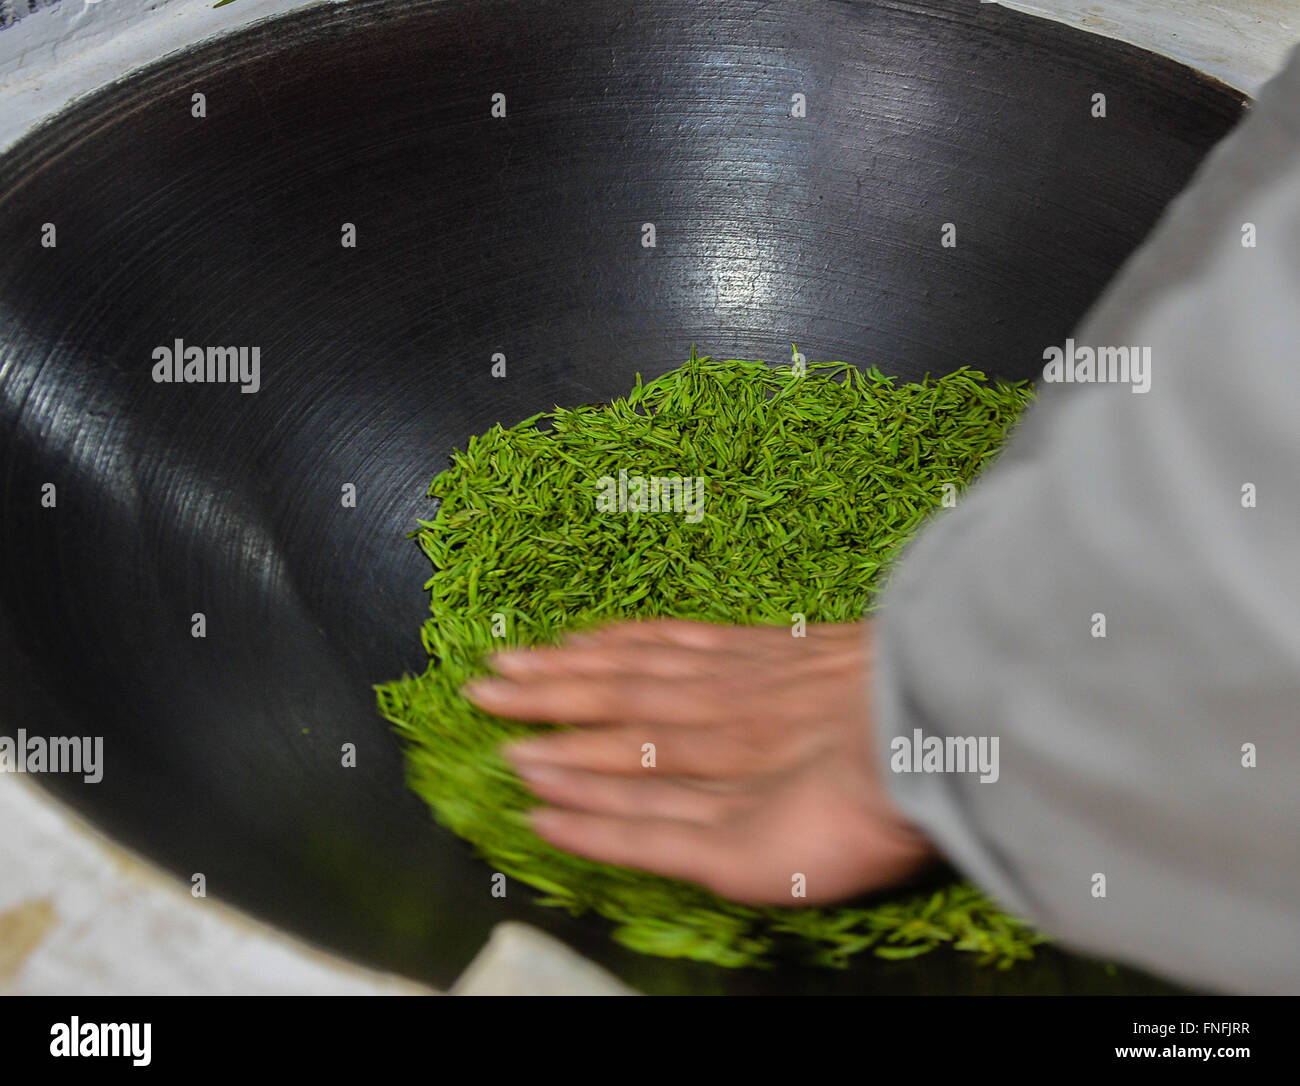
{"x":736,"y":757}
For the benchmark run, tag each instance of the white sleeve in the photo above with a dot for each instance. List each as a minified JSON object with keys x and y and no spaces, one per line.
{"x":1128,"y":756}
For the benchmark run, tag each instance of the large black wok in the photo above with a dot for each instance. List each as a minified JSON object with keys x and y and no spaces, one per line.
{"x":478,"y":235}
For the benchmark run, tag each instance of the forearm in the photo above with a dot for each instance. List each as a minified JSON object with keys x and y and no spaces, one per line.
{"x":1122,"y":755}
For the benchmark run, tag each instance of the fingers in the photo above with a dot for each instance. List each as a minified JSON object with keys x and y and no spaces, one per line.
{"x":667,"y":650}
{"x":648,"y":796}
{"x":624,"y":750}
{"x":707,"y":636}
{"x":655,"y":660}
{"x":597,"y":699}
{"x":680,"y":850}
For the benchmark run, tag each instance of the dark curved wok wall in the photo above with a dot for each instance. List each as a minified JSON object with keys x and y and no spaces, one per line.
{"x":476,"y":235}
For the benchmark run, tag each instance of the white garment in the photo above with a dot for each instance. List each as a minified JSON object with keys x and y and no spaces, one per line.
{"x":1123,"y":756}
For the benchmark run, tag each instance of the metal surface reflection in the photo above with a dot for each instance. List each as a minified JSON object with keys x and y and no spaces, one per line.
{"x":477,"y":235}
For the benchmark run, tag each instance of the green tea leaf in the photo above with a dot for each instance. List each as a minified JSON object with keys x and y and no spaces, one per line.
{"x":809,"y":488}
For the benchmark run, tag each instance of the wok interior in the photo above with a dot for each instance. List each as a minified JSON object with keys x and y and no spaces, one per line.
{"x":478,"y":235}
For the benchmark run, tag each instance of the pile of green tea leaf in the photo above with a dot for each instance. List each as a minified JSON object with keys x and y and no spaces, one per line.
{"x":813,"y":481}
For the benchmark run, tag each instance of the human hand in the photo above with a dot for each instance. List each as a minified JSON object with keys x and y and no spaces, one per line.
{"x":764,"y":766}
